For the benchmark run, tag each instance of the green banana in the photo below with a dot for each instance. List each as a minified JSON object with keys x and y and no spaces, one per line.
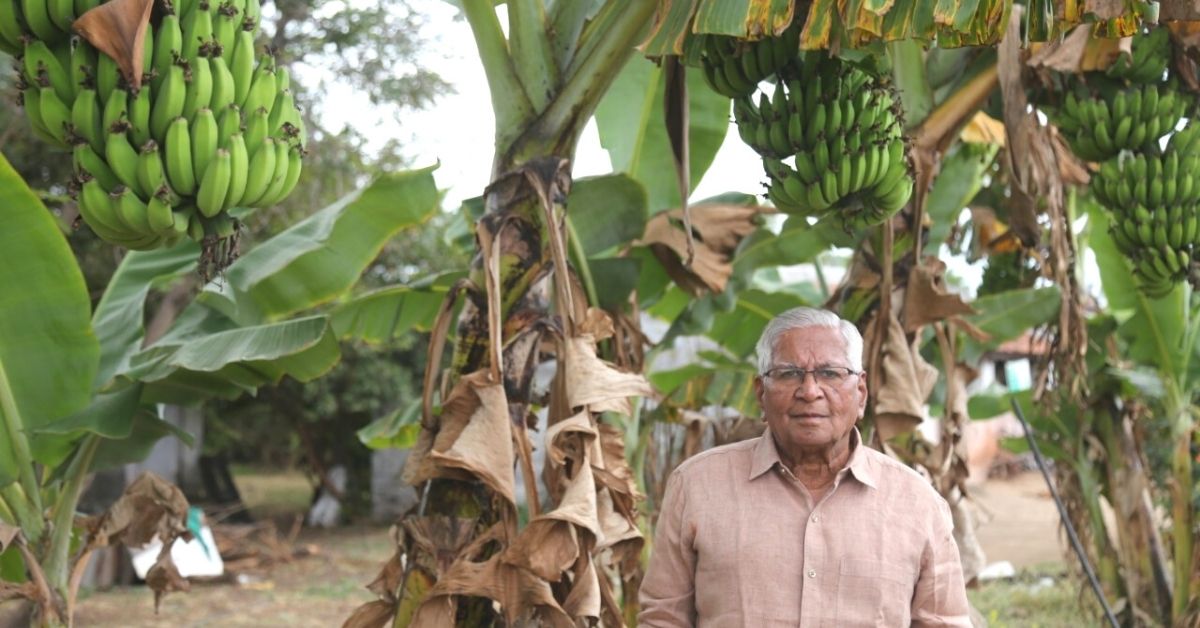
{"x":178,"y":147}
{"x":214,"y":186}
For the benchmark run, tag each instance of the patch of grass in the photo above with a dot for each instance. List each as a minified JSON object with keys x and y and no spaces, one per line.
{"x":1043,"y":596}
{"x":269,"y":493}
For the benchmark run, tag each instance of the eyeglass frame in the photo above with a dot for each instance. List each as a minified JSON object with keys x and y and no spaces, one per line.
{"x":804,"y":373}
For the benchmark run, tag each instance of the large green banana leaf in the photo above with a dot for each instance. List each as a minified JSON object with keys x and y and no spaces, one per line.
{"x":384,"y":314}
{"x":48,"y":353}
{"x":121,"y":310}
{"x":630,"y":119}
{"x":319,"y":258}
{"x":229,"y":363}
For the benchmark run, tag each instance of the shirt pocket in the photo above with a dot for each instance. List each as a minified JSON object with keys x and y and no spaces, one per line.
{"x":874,"y":592}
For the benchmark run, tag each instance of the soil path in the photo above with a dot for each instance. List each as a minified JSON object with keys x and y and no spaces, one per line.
{"x":1018,"y":521}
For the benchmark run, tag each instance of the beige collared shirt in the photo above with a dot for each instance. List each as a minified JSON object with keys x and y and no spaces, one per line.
{"x":739,"y":542}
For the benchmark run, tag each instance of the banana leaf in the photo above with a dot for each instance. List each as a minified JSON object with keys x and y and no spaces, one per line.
{"x":121,"y":310}
{"x":1006,"y":315}
{"x":229,"y":363}
{"x":630,"y":120}
{"x":48,"y":351}
{"x":319,"y":258}
{"x":606,"y":212}
{"x":384,"y":314}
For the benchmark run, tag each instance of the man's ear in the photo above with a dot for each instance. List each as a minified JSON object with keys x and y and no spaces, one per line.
{"x":862,"y":395}
{"x":759,"y":389}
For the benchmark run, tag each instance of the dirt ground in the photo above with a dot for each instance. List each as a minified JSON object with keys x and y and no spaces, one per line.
{"x":1018,"y":521}
{"x":1019,"y":524}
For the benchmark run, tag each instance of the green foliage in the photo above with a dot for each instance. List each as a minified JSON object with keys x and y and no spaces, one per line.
{"x":630,"y":119}
{"x":48,"y":355}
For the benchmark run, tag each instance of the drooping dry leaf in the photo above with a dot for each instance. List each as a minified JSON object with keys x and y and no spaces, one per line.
{"x":7,"y":534}
{"x":1080,"y":52}
{"x":561,"y":445}
{"x":485,"y":446}
{"x":164,"y":578}
{"x":717,"y":228}
{"x":118,"y":29}
{"x":905,"y":382}
{"x":1030,"y":157}
{"x":983,"y":129}
{"x":441,"y":537}
{"x":474,"y":405}
{"x":619,"y":534}
{"x":598,"y":324}
{"x":613,"y":469}
{"x":551,"y":543}
{"x":1070,"y":169}
{"x":149,"y":507}
{"x":596,"y":385}
{"x":516,"y":590}
{"x":1185,"y":33}
{"x":584,"y":600}
{"x":675,"y":113}
{"x":377,"y":614}
{"x":926,"y":300}
{"x":385,"y":584}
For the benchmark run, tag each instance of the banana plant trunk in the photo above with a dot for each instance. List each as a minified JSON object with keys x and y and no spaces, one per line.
{"x":546,"y":79}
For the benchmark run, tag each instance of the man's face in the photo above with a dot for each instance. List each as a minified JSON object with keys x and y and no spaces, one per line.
{"x":811,"y":415}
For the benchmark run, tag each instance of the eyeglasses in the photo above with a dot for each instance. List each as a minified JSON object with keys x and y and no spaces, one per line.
{"x":824,"y":375}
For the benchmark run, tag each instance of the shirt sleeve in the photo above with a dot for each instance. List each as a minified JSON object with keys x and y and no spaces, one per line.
{"x":940,"y":598}
{"x":667,"y":594}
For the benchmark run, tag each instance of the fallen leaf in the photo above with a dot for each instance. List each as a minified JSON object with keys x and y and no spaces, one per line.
{"x":118,"y":29}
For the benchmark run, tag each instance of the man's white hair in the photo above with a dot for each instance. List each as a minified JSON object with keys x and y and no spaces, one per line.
{"x":799,"y":318}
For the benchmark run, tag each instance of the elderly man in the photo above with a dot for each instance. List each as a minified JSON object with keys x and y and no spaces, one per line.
{"x":804,"y":526}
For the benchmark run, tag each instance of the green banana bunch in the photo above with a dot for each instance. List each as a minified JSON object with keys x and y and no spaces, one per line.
{"x":1133,"y":119}
{"x":734,"y":68}
{"x":1151,"y":54}
{"x":213,"y":126}
{"x":47,"y":21}
{"x":830,"y":136}
{"x":1154,"y":206}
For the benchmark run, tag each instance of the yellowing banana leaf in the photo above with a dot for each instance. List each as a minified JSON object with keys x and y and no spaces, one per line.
{"x":121,"y":310}
{"x":384,"y":314}
{"x":322,"y":256}
{"x":229,"y":363}
{"x":48,"y":352}
{"x":630,"y":120}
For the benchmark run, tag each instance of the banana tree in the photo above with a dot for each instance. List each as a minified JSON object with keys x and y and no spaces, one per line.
{"x":79,"y":388}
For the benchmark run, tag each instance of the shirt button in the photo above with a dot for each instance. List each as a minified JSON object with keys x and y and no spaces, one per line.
{"x":812,"y":573}
{"x":815,"y":518}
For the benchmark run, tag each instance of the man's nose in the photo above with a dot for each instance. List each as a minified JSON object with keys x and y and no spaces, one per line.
{"x":808,"y":387}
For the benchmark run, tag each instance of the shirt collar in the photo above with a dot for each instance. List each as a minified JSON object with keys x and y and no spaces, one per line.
{"x":766,"y":456}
